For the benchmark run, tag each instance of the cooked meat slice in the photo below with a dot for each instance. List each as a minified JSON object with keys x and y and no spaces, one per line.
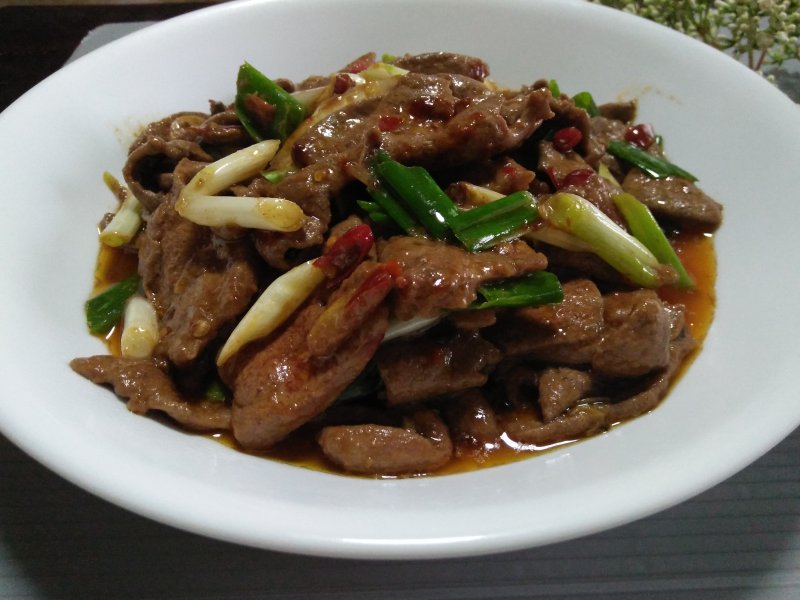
{"x":197,"y":282}
{"x":422,"y":368}
{"x":523,"y":425}
{"x":601,"y":131}
{"x":636,"y":335}
{"x":618,"y":111}
{"x":561,"y":388}
{"x":472,"y":320}
{"x":153,"y":155}
{"x":562,"y":167}
{"x":564,"y":333}
{"x":674,"y":199}
{"x":472,"y":421}
{"x":433,"y":63}
{"x":441,"y":276}
{"x":622,"y":334}
{"x":311,"y":188}
{"x":384,"y":450}
{"x":281,"y":383}
{"x":147,"y":388}
{"x":647,"y":399}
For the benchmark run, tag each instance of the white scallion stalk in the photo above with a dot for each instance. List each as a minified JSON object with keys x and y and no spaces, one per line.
{"x":399,"y":329}
{"x":478,"y":195}
{"x":273,"y":307}
{"x":606,"y":174}
{"x":558,"y":238}
{"x":139,"y":328}
{"x":125,"y":224}
{"x":381,"y":70}
{"x":198,"y":203}
{"x":579,"y":217}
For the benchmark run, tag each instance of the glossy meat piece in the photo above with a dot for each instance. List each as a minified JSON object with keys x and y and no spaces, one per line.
{"x":472,"y":421}
{"x":655,"y":388}
{"x":197,"y":282}
{"x":432,"y":120}
{"x":281,"y":383}
{"x":636,"y":335}
{"x":148,"y":388}
{"x":561,"y":388}
{"x":564,"y":333}
{"x":444,"y":62}
{"x":524,"y":426}
{"x":595,"y":189}
{"x":674,"y":199}
{"x":159,"y":148}
{"x":421,"y":368}
{"x":439,"y":276}
{"x":383,"y":450}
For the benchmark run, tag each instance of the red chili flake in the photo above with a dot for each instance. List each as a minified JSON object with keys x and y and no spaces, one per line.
{"x":551,"y":173}
{"x":377,"y":284}
{"x":346,"y":254}
{"x":389,"y":122}
{"x":578,"y":177}
{"x":641,"y":135}
{"x":567,"y":138}
{"x":342,"y":82}
{"x":361,"y":63}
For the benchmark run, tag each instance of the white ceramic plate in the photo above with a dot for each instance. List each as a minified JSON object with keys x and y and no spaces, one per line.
{"x":727,"y":125}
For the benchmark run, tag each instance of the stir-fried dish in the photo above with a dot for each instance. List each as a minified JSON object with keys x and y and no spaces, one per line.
{"x":401,"y":264}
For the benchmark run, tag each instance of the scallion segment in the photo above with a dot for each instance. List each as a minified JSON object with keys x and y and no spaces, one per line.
{"x":488,"y":225}
{"x":653,"y":165}
{"x":585,"y":101}
{"x":420,"y":193}
{"x":533,"y":289}
{"x":265,"y":109}
{"x":391,"y":207}
{"x":104,"y":310}
{"x":608,"y":240}
{"x":646,"y":229}
{"x":491,"y":210}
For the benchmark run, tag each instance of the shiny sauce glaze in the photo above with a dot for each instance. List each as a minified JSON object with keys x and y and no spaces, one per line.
{"x":695,"y":249}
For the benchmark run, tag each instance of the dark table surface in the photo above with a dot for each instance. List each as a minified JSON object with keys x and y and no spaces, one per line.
{"x":35,"y":41}
{"x":740,"y":540}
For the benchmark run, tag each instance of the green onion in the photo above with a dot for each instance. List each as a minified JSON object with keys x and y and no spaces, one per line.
{"x":608,"y":240}
{"x":215,"y":392}
{"x":104,"y":310}
{"x":554,"y":89}
{"x":491,"y":210}
{"x":289,"y":113}
{"x":275,"y":175}
{"x":420,"y":192}
{"x":585,"y":101}
{"x":645,"y":228}
{"x":653,"y":165}
{"x":496,"y":222}
{"x":374,"y":211}
{"x":395,"y":211}
{"x":533,"y":289}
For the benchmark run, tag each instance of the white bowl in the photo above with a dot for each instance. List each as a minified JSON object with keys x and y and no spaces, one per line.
{"x":734,"y":130}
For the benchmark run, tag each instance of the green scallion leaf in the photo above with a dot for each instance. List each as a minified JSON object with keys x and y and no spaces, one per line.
{"x":104,"y":310}
{"x":653,"y":165}
{"x":533,"y":289}
{"x":644,"y":227}
{"x":585,"y":101}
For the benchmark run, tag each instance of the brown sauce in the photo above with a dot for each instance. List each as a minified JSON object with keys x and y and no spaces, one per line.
{"x":696,"y":251}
